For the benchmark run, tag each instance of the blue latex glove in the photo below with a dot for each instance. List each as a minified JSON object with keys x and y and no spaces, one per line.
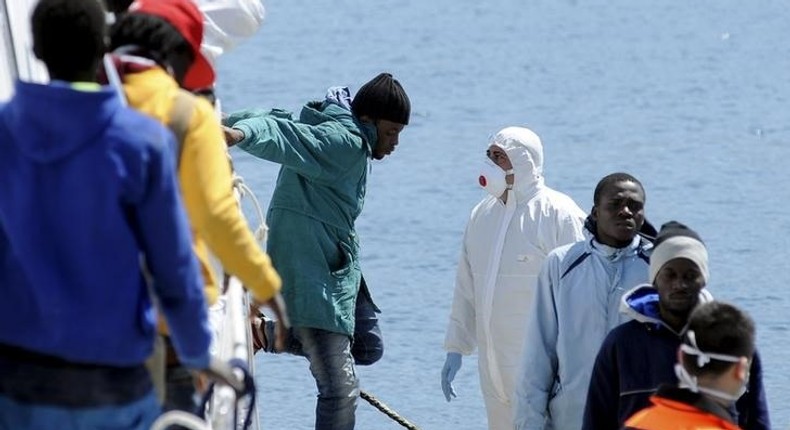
{"x":451,"y":366}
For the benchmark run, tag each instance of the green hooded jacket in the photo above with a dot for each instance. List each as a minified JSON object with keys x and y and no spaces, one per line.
{"x":320,"y":192}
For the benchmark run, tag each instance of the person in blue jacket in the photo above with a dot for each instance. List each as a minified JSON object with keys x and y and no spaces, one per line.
{"x":325,"y":157}
{"x":87,"y":188}
{"x":639,"y":356}
{"x":576,"y":303}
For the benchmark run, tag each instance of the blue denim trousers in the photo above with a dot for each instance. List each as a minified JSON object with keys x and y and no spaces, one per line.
{"x":137,"y":415}
{"x":332,"y":359}
{"x":332,"y":366}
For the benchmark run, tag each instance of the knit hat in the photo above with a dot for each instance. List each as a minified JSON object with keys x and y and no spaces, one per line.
{"x":675,"y":240}
{"x":188,"y":21}
{"x":382,"y":98}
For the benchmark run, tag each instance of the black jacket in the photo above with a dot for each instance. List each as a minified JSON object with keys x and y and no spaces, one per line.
{"x":638,"y":356}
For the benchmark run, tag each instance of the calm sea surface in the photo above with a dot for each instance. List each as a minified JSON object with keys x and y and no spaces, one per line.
{"x":690,"y":97}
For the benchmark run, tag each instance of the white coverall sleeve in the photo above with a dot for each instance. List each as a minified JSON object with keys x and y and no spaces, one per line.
{"x":461,"y":331}
{"x":538,"y":369}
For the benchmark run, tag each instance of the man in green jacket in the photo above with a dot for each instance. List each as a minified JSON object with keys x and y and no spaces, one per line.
{"x":319,"y":194}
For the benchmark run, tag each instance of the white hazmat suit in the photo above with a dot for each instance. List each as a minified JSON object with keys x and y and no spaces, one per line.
{"x":503,"y":248}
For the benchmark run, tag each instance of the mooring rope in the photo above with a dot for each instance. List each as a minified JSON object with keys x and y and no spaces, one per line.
{"x":376,"y":403}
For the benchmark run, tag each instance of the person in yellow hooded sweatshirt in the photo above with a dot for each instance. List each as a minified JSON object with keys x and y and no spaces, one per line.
{"x":156,"y":49}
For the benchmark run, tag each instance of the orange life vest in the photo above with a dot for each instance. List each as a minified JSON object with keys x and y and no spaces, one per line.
{"x":672,"y":413}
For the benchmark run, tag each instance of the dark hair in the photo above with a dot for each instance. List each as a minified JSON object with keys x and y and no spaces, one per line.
{"x":611,"y":179}
{"x":154,"y":38}
{"x":69,"y":37}
{"x":723,"y":329}
{"x":118,"y":7}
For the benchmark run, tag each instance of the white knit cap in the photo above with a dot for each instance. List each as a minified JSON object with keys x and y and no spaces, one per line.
{"x":675,"y":240}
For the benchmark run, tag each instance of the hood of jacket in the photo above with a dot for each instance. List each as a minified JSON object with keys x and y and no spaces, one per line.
{"x":525,"y":151}
{"x":641,"y":304}
{"x":336,"y":106}
{"x":37,"y":115}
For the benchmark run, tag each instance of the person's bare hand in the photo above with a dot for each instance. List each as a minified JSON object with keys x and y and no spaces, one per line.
{"x":232,"y":135}
{"x":277,"y":305}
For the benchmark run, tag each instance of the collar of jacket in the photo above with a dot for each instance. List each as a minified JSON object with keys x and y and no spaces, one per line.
{"x":641,"y":304}
{"x":316,"y":112}
{"x":638,"y":247}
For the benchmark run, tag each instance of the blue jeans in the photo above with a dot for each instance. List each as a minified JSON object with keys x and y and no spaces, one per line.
{"x":137,"y":415}
{"x":332,"y":358}
{"x":332,"y":367}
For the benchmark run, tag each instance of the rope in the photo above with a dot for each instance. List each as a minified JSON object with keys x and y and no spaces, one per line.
{"x":244,"y":190}
{"x":376,"y":403}
{"x":179,"y":418}
{"x":248,"y":384}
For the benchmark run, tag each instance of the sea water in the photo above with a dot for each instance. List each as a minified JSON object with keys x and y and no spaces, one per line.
{"x":690,"y":97}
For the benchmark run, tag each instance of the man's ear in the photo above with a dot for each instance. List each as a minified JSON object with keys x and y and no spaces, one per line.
{"x":741,"y":369}
{"x":594,"y":213}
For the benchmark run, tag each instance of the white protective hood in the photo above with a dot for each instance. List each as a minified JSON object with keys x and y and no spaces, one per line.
{"x":525,"y":151}
{"x":504,"y":246}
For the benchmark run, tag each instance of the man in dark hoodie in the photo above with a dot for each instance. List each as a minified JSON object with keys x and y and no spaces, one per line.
{"x":713,"y":366}
{"x":325,"y":156}
{"x":639,"y":355}
{"x":87,"y":187}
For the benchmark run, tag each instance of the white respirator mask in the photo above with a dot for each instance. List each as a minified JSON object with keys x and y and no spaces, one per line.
{"x":492,"y":179}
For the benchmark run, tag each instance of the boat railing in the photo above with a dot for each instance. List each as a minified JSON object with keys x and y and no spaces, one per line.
{"x":229,"y":405}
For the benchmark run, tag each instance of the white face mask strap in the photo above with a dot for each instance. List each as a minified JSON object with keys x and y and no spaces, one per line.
{"x":685,"y":378}
{"x":509,"y":172}
{"x":704,"y":358}
{"x":690,"y":383}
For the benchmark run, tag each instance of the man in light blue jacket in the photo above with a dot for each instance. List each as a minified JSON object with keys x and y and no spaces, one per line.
{"x":576,"y":304}
{"x":325,"y":157}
